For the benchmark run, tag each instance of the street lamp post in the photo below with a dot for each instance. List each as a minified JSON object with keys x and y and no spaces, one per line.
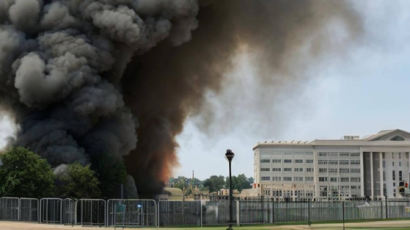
{"x":229,"y":155}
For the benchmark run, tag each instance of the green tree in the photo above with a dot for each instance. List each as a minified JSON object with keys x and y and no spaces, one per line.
{"x":214,"y":183}
{"x":25,"y":174}
{"x":239,"y":182}
{"x":181,"y":183}
{"x":78,"y":181}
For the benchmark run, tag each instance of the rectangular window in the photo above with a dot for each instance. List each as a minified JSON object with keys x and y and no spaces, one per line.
{"x":308,"y":178}
{"x":309,"y":161}
{"x":331,"y":170}
{"x":322,"y":154}
{"x":287,"y":161}
{"x":394,"y":175}
{"x":287,"y":178}
{"x":276,"y":178}
{"x":322,"y":162}
{"x":399,"y":163}
{"x":344,"y":162}
{"x":276,"y":169}
{"x":344,"y":170}
{"x":265,"y":160}
{"x":322,"y":179}
{"x":265,"y":169}
{"x":298,"y":161}
{"x":333,"y":162}
{"x":355,"y":170}
{"x":354,"y":154}
{"x":276,"y":161}
{"x":333,"y":179}
{"x":355,"y":179}
{"x":355,"y":162}
{"x":344,"y":179}
{"x":400,"y":176}
{"x":298,"y":169}
{"x":309,"y":170}
{"x":287,"y":169}
{"x":265,"y":178}
{"x":344,"y":154}
{"x":323,"y":170}
{"x":298,"y":178}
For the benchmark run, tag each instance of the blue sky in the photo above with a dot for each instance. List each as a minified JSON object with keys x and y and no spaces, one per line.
{"x":360,"y":94}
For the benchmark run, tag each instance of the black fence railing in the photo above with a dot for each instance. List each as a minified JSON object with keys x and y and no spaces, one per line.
{"x":152,"y":213}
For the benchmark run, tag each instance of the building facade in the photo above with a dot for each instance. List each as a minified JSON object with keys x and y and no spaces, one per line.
{"x":374,"y":167}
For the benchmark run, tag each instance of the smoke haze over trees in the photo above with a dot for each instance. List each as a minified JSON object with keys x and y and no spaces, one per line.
{"x":97,"y":82}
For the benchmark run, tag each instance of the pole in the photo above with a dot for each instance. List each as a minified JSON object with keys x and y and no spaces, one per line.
{"x":387,"y":210}
{"x":230,"y":195}
{"x":343,"y":214}
{"x":309,"y":213}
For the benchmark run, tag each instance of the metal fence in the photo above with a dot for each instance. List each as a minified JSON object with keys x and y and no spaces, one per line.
{"x":9,"y":208}
{"x":51,"y":210}
{"x":92,"y":212}
{"x":132,"y":213}
{"x":28,"y":210}
{"x":150,"y":213}
{"x":173,"y":213}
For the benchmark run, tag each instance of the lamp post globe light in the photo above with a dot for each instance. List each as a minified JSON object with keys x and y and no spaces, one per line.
{"x":229,"y":155}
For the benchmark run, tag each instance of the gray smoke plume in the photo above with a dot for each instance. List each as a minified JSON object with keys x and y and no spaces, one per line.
{"x":86,"y":78}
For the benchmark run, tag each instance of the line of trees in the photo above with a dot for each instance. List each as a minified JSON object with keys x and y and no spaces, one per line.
{"x":212,"y":184}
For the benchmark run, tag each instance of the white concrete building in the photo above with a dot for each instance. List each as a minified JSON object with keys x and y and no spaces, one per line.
{"x":373,"y":167}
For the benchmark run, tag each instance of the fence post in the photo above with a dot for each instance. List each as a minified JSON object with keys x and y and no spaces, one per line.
{"x":238,"y":221}
{"x":343,"y":214}
{"x":309,"y":222}
{"x":201,"y":211}
{"x":387,"y":210}
{"x":273,"y":210}
{"x":381,"y":208}
{"x":19,"y":209}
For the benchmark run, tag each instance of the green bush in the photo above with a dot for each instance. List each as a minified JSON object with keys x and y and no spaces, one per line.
{"x":25,"y":174}
{"x":78,"y":181}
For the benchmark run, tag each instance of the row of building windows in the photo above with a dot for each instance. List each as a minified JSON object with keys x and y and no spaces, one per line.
{"x":341,"y":170}
{"x":277,"y":178}
{"x":324,"y":154}
{"x":341,"y":162}
{"x":321,"y":170}
{"x":289,"y":193}
{"x":342,"y":179}
{"x":287,"y":169}
{"x":288,"y":161}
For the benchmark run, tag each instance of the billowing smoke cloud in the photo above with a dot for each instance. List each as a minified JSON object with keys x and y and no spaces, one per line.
{"x":89,"y":78}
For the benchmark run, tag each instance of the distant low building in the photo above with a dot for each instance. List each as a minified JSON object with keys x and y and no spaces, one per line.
{"x":373,"y":167}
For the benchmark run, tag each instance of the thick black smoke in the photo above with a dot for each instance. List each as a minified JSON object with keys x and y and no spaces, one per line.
{"x":62,"y":64}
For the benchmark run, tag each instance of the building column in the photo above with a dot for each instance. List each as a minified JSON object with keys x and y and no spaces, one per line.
{"x":371,"y":177}
{"x":381,"y":173}
{"x":361,"y":173}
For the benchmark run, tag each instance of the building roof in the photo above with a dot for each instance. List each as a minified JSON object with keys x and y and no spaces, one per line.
{"x":396,"y":137}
